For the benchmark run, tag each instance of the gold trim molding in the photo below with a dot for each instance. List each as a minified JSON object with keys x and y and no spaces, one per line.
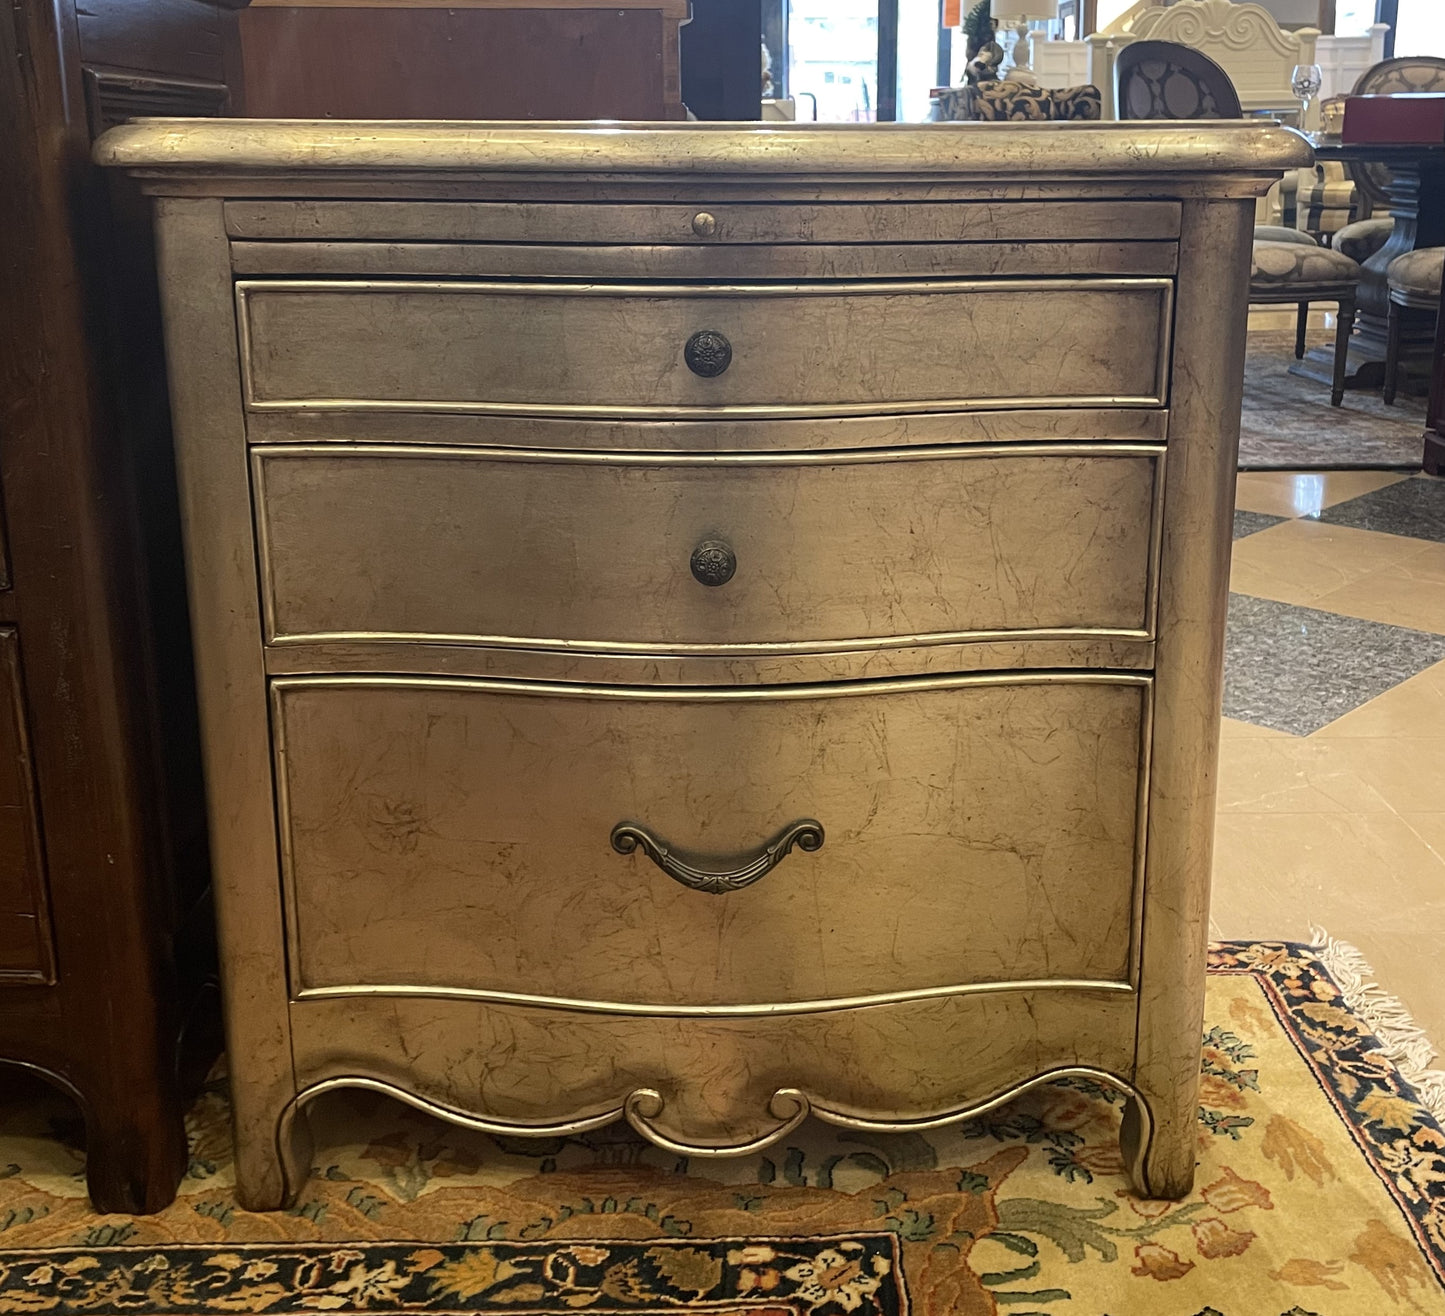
{"x":643,"y":1107}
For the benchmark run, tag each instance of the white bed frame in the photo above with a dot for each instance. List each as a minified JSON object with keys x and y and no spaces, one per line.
{"x":1242,"y":38}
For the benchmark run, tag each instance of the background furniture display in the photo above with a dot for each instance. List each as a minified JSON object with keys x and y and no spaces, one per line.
{"x":1164,"y":80}
{"x":105,"y":930}
{"x":1368,"y":179}
{"x":1002,"y":101}
{"x":1416,"y":188}
{"x":1243,"y":39}
{"x":1434,"y":461}
{"x":1324,"y":202}
{"x":1012,"y":17}
{"x":1414,"y":282}
{"x":1341,"y":59}
{"x":465,"y":59}
{"x":1293,"y":268}
{"x":679,"y":756}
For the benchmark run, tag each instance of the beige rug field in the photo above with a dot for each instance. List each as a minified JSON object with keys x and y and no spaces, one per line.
{"x":1321,"y":1189}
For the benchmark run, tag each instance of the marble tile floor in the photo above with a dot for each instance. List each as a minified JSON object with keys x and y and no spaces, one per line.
{"x":1332,"y":766}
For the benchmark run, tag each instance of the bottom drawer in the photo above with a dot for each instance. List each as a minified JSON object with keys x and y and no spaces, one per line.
{"x":458,"y":837}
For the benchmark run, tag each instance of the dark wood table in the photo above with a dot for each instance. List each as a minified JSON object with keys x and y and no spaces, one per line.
{"x":1435,"y":418}
{"x":1417,"y":203}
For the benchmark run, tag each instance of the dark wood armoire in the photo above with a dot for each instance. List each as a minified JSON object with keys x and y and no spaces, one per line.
{"x":105,"y":926}
{"x":106,"y":938}
{"x":461,"y":59}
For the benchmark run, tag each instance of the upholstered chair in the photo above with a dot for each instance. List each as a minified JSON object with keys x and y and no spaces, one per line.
{"x":1296,"y":270}
{"x":1164,"y":80}
{"x":1325,"y":201}
{"x":1363,"y":238}
{"x":1414,"y":288}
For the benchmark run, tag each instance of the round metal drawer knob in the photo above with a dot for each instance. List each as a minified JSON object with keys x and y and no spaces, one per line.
{"x":704,"y":224}
{"x":713,"y":562}
{"x":708,"y":353}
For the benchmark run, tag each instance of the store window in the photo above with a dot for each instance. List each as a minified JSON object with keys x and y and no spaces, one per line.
{"x":833,"y":59}
{"x":1420,"y":28}
{"x":1353,"y":18}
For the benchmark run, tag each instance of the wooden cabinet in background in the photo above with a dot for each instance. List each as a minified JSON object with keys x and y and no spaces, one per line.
{"x":26,"y":951}
{"x":461,"y":59}
{"x":105,"y":926}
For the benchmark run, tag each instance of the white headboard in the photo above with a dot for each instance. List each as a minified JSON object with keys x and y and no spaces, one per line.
{"x":1341,"y":59}
{"x":1243,"y":39}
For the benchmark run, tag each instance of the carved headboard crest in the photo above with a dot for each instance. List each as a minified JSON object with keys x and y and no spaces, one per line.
{"x":1205,"y":24}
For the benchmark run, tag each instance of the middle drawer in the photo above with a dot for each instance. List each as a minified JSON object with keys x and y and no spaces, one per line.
{"x":688,"y":554}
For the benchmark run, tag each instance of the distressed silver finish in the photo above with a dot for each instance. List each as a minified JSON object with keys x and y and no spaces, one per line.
{"x":444,"y":467}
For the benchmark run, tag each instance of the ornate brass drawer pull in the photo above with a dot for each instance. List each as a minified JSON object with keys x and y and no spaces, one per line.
{"x":807,"y":834}
{"x":713,"y":562}
{"x":708,"y":353}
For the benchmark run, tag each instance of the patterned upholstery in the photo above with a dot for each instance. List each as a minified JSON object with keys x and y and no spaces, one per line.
{"x":995,"y":101}
{"x":1278,"y":233}
{"x":1277,"y":265}
{"x":1325,"y":199}
{"x":1163,"y":80}
{"x":1085,"y":102}
{"x":999,"y":101}
{"x":1418,"y":272}
{"x":1362,"y":239}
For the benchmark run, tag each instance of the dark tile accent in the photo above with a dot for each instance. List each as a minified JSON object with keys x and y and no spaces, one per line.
{"x":1297,"y":669}
{"x":1250,"y":523}
{"x":1413,"y":508}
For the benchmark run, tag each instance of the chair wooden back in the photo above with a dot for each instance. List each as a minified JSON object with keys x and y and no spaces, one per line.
{"x":1164,"y":80}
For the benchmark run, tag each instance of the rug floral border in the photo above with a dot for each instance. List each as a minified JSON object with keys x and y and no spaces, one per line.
{"x":1397,"y":1136}
{"x":859,"y":1273}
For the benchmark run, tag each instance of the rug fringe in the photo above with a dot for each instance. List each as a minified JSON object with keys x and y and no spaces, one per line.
{"x":1402,"y":1040}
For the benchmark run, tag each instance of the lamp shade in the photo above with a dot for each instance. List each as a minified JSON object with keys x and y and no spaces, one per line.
{"x":1023,"y":9}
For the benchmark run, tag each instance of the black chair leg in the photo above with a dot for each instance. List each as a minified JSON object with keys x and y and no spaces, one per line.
{"x":1344,"y":327}
{"x":1302,"y":319}
{"x":1392,"y":356}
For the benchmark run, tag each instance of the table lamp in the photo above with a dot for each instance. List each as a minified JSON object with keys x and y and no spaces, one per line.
{"x":1016,"y":15}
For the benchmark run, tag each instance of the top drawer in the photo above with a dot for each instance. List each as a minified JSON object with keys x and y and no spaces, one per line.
{"x":705,"y":222}
{"x":704,"y":350}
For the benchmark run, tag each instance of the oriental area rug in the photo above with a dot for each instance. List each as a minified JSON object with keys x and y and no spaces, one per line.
{"x":1321,"y":1189}
{"x":1288,"y":424}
